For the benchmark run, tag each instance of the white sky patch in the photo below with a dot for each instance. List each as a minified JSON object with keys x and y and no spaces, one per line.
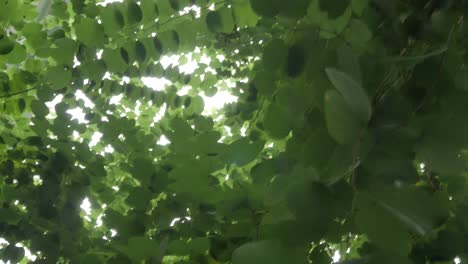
{"x":87,"y":102}
{"x":55,"y":101}
{"x":106,"y":76}
{"x":77,"y":113}
{"x":160,"y":114}
{"x":205,"y":59}
{"x":125,"y":79}
{"x":169,"y":60}
{"x":99,"y":220}
{"x":86,"y":206}
{"x":106,"y":2}
{"x":109,"y":149}
{"x":99,"y":54}
{"x":163,"y":141}
{"x":336,"y":256}
{"x":28,"y":254}
{"x":115,"y":100}
{"x":157,"y":84}
{"x":76,"y":62}
{"x":243,"y":130}
{"x":137,"y":108}
{"x":212,"y":104}
{"x":220,"y":57}
{"x":189,"y":67}
{"x":95,"y":139}
{"x":194,"y":8}
{"x":184,"y":90}
{"x":75,"y":135}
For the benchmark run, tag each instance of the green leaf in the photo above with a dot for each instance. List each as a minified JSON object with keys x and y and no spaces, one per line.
{"x":58,"y":77}
{"x":17,"y":55}
{"x":277,"y":121}
{"x":309,"y":201}
{"x":274,"y":54}
{"x":296,"y":60}
{"x":408,"y":205}
{"x":114,"y":60}
{"x":89,"y":32}
{"x":95,"y":69}
{"x":334,"y":8}
{"x":243,"y":14}
{"x":220,"y":21}
{"x":65,"y":51}
{"x":150,"y":10}
{"x":352,"y":92}
{"x":140,"y":51}
{"x":358,"y":33}
{"x":261,"y":252}
{"x":461,"y":79}
{"x":112,"y":20}
{"x":13,"y":253}
{"x":267,"y":8}
{"x":6,"y":45}
{"x":134,"y":13}
{"x":242,"y":152}
{"x":141,"y":248}
{"x":359,"y":6}
{"x":265,"y":83}
{"x":343,"y":126}
{"x":370,"y":218}
{"x":39,"y":108}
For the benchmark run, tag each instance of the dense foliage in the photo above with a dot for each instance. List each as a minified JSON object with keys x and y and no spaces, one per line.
{"x":349,"y":135}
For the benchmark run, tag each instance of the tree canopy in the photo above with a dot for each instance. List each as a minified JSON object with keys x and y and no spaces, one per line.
{"x":345,"y":137}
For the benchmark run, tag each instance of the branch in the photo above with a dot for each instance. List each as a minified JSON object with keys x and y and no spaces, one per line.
{"x":16,"y":93}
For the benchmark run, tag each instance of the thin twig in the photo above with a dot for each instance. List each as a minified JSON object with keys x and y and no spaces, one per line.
{"x":441,"y":64}
{"x":256,"y":114}
{"x":16,"y":93}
